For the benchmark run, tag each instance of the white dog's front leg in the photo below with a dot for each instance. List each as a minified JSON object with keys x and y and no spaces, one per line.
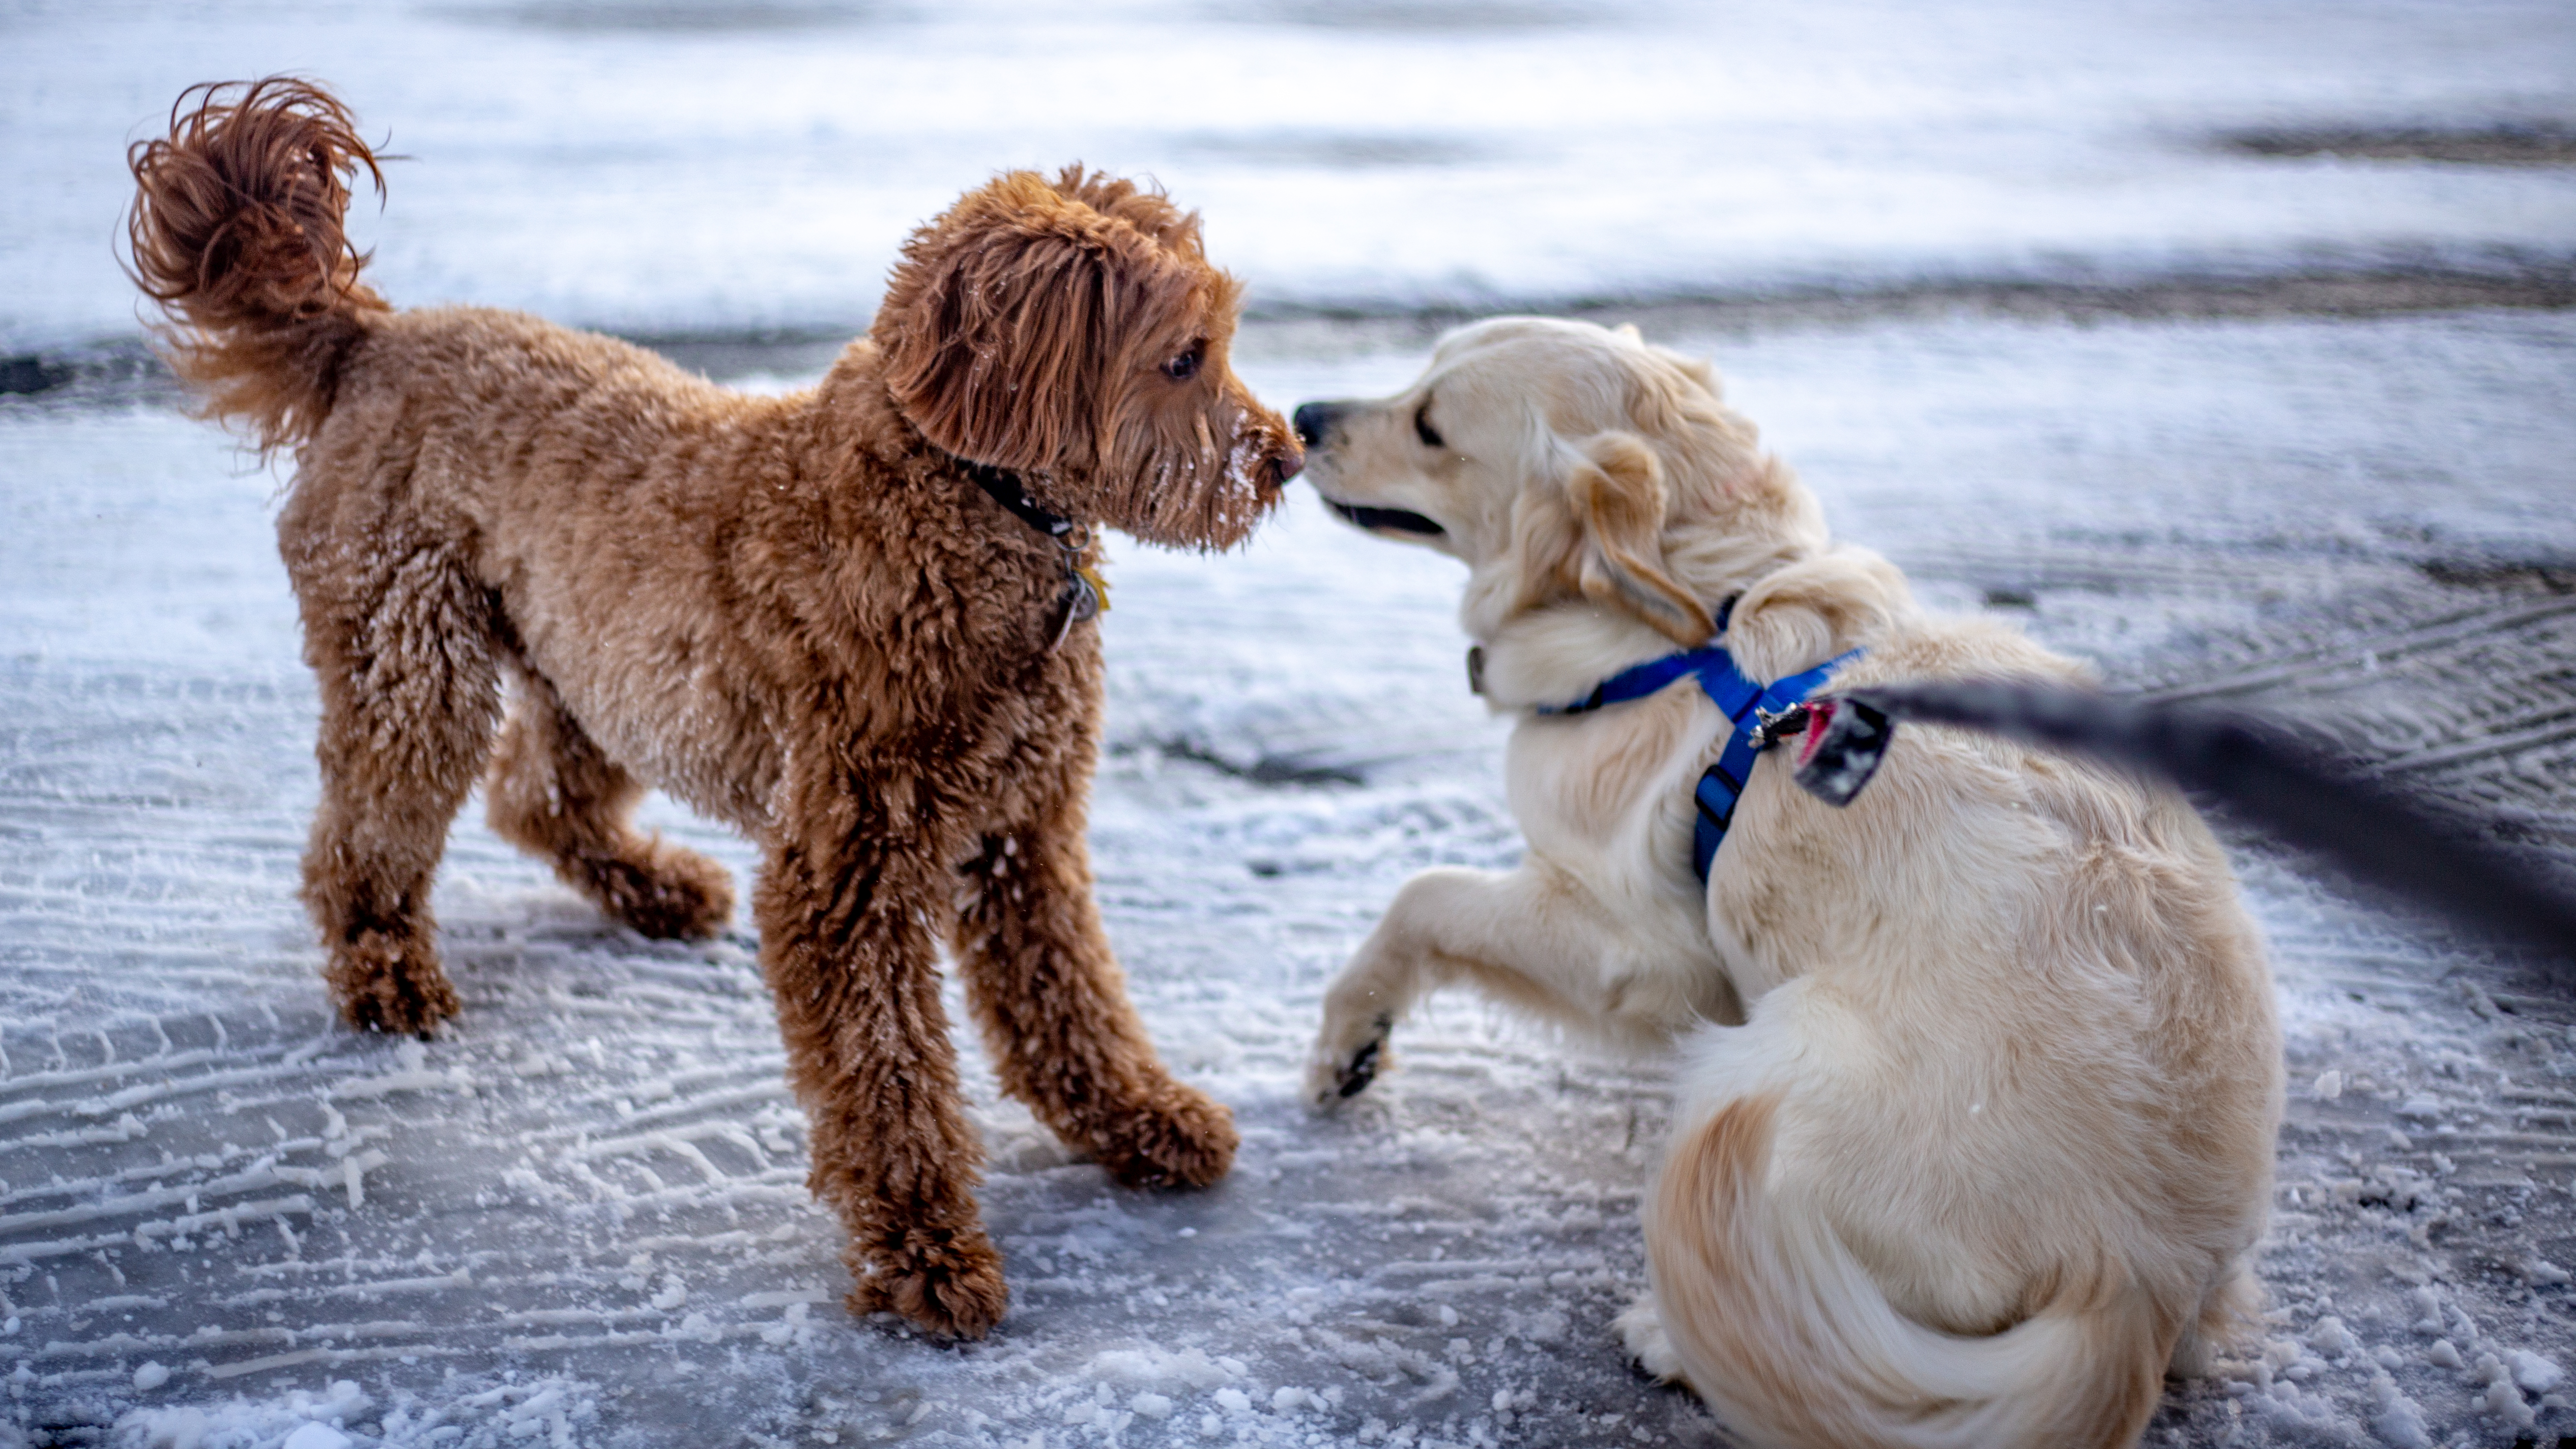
{"x":1530,"y":936}
{"x":1392,"y":969}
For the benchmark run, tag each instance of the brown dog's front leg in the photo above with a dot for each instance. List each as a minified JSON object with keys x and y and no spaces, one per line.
{"x":847,"y":944}
{"x":1053,"y":1005}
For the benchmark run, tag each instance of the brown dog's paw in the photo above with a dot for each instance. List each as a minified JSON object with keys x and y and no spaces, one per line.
{"x":1177,"y":1138}
{"x":949,"y":1290}
{"x":394,"y":988}
{"x":667,"y":893}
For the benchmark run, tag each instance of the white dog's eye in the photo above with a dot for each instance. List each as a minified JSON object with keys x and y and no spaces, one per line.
{"x":1186,"y":366}
{"x":1422,"y":426}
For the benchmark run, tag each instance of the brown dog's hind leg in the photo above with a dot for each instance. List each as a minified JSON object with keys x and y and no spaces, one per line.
{"x":846,"y":941}
{"x":553,"y":794}
{"x":1053,"y":1005}
{"x":401,"y":644}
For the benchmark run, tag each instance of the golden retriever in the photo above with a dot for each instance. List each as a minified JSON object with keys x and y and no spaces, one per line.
{"x":1980,"y":1075}
{"x":850,"y":622}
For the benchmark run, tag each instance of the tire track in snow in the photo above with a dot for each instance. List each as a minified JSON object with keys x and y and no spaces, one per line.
{"x":2424,"y":1224}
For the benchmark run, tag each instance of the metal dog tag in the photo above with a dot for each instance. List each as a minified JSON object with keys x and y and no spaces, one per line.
{"x":1081,"y":604}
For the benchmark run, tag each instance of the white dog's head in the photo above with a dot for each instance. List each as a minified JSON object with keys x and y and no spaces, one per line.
{"x":1564,"y":463}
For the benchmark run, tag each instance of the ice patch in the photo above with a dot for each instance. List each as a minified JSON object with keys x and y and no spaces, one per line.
{"x":298,"y":1420}
{"x":1152,"y":1368}
{"x":2502,"y":1397}
{"x":2395,"y":1417}
{"x":2533,"y":1373}
{"x":2331,"y":1338}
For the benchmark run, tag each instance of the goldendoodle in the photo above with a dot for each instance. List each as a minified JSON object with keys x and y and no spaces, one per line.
{"x":850,"y":622}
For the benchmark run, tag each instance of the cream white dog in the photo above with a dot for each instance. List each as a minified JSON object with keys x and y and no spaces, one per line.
{"x":1980,"y":1074}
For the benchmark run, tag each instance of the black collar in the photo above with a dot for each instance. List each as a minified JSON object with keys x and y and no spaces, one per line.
{"x":1008,"y":491}
{"x":1085,"y":595}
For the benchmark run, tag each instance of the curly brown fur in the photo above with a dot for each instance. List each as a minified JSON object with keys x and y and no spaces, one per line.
{"x":801,"y":615}
{"x":552,"y":793}
{"x":236,"y":233}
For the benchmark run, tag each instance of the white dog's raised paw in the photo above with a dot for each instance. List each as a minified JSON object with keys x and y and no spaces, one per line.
{"x":1641,"y":1328}
{"x":1333,"y":1076}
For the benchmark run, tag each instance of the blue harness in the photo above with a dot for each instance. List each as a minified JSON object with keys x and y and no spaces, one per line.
{"x":1747,"y":706}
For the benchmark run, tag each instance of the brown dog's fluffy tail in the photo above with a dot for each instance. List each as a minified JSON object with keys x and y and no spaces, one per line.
{"x":236,"y":232}
{"x":1785,"y":1335}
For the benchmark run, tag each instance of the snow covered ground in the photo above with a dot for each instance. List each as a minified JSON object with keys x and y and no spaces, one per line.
{"x":580,"y":1217}
{"x":583,"y":1209}
{"x":679,"y":165}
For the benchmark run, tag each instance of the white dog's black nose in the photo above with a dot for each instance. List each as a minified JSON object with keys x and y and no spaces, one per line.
{"x":1312,"y":419}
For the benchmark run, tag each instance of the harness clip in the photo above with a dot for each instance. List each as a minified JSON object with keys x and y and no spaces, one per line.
{"x":1771,"y":726}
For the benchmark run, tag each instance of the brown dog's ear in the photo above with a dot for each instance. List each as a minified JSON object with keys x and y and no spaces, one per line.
{"x":1617,"y":496}
{"x":991,"y":321}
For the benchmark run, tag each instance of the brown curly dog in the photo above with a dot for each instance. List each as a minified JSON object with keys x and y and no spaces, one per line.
{"x":850,"y":622}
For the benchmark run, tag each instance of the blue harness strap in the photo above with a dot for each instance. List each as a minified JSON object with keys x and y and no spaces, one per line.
{"x":1744,"y":703}
{"x":1739,"y":698}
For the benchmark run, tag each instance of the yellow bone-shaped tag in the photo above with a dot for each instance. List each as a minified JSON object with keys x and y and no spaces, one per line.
{"x":1099,"y":585}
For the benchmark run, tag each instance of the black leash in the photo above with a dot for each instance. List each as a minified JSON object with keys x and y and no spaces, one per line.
{"x":2379,"y":835}
{"x":1085,"y":595}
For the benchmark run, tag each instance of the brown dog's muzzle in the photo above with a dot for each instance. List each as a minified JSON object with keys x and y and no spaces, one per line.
{"x":1279,"y":465}
{"x":1266,"y":454}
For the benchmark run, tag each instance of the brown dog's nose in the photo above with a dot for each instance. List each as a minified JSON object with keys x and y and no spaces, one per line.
{"x":1282,"y":466}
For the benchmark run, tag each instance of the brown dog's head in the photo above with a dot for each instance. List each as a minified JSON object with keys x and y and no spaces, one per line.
{"x":1073,"y":332}
{"x":1561,"y":462}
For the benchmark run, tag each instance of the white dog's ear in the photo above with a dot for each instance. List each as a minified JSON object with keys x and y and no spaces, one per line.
{"x":1617,"y":496}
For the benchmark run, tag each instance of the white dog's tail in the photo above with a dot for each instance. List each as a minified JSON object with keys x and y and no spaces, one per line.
{"x":1785,"y":1335}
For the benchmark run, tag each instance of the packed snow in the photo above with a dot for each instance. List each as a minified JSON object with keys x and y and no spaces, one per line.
{"x":579,"y":1216}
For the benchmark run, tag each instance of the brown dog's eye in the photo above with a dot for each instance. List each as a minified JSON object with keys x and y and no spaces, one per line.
{"x":1422,"y":426}
{"x":1186,"y":366}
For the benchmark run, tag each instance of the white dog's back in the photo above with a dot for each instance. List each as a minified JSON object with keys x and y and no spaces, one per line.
{"x":2020,"y":1074}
